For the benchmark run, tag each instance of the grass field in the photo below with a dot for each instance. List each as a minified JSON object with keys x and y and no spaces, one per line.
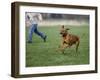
{"x":39,"y":53}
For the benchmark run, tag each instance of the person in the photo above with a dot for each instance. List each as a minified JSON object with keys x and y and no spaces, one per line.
{"x":33,"y":18}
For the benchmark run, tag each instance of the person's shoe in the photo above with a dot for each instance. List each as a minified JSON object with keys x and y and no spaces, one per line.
{"x":29,"y":41}
{"x":45,"y":38}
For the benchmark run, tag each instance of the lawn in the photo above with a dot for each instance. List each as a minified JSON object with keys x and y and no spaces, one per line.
{"x":39,"y":53}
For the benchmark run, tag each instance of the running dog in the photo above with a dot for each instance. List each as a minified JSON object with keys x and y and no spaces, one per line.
{"x":68,"y":39}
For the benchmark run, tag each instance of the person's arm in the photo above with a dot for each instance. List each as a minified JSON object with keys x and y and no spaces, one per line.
{"x":40,"y":17}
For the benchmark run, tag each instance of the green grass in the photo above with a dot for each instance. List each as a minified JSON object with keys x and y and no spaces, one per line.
{"x":45,"y":54}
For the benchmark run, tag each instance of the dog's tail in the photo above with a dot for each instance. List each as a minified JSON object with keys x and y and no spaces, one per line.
{"x":77,"y":45}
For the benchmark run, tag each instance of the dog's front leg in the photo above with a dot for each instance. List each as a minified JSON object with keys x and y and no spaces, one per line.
{"x":63,"y":47}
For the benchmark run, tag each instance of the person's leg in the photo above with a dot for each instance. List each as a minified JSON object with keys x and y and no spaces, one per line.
{"x":40,"y":33}
{"x":30,"y":33}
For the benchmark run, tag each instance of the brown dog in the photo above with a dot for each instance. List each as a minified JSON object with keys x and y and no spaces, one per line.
{"x":68,"y":39}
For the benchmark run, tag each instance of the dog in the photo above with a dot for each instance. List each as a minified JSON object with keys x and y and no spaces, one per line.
{"x":68,"y":39}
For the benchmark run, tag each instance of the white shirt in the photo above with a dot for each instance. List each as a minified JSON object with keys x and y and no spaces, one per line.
{"x":33,"y":17}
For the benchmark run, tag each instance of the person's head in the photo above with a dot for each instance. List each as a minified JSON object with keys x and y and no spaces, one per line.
{"x":28,"y":17}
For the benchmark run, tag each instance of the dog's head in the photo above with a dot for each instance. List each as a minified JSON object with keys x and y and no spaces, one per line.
{"x":63,"y":30}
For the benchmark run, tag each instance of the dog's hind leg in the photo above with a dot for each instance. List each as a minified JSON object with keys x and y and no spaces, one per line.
{"x":77,"y":45}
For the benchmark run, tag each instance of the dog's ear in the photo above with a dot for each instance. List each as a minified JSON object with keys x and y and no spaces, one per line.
{"x":62,"y":26}
{"x":67,"y":29}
